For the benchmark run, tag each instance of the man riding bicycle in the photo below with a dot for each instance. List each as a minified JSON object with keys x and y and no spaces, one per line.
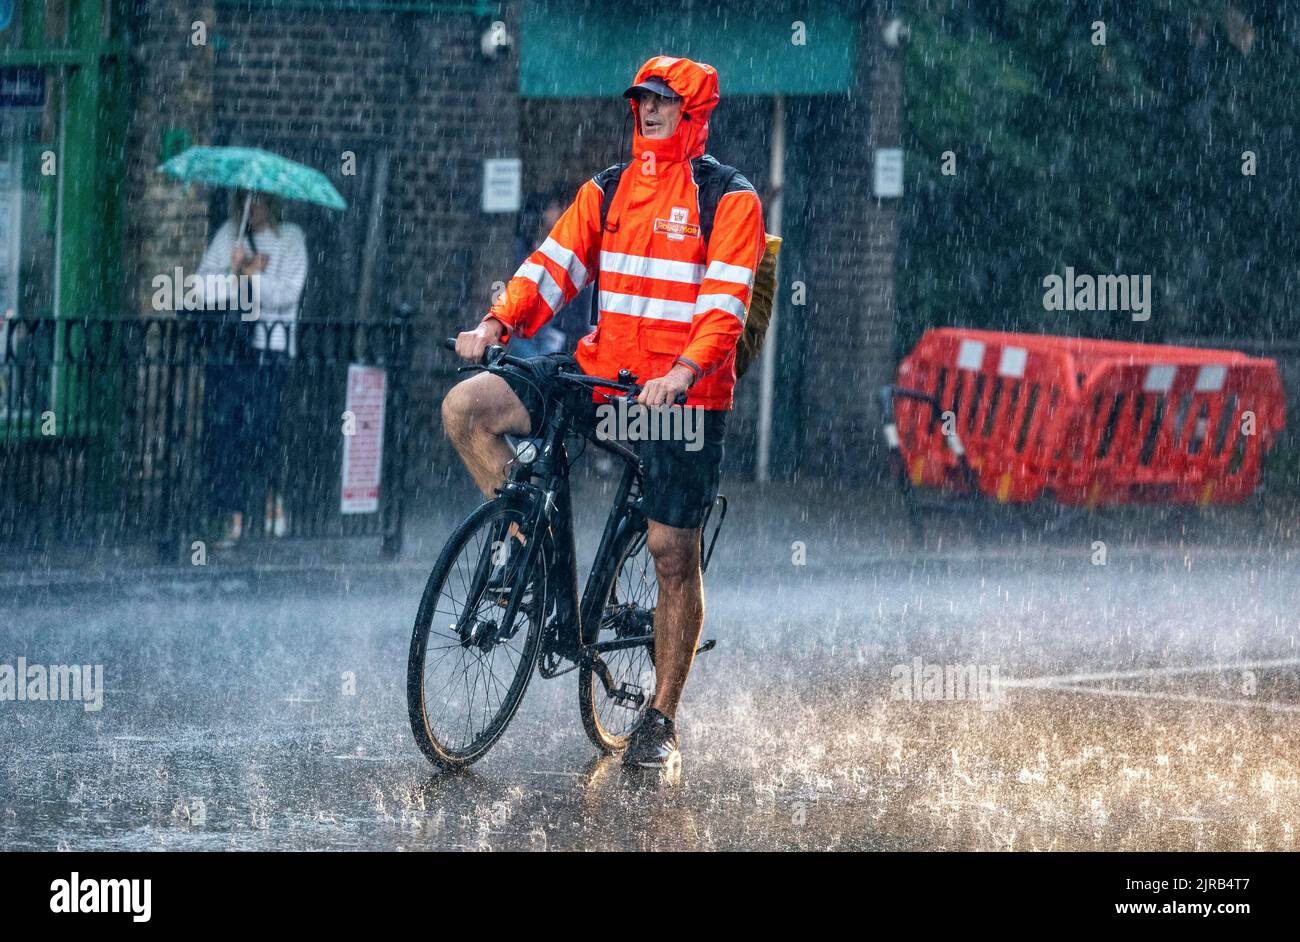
{"x":672,"y":298}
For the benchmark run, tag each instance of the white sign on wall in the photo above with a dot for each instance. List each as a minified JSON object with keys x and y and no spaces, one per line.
{"x":502,"y":185}
{"x":363,"y":450}
{"x":889,"y":172}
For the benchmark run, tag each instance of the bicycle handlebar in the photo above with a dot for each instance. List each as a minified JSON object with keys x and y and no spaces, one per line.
{"x":496,"y":355}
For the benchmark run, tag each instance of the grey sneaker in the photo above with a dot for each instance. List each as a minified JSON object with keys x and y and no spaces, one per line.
{"x":654,"y":742}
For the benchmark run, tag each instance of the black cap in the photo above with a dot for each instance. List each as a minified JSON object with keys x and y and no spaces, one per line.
{"x":652,"y":84}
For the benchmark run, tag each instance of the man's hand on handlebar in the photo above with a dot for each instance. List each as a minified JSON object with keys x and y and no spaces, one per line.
{"x":471,"y":344}
{"x":667,"y":389}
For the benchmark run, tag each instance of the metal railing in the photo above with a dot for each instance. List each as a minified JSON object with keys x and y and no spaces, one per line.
{"x":118,"y":431}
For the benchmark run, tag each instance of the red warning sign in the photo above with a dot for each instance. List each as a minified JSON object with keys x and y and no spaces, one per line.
{"x":363,"y":439}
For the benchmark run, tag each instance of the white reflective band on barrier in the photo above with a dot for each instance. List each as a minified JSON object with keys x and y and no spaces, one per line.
{"x":1013,"y":362}
{"x":891,"y":435}
{"x":1159,"y":378}
{"x":736,"y":274}
{"x":726,"y":302}
{"x":661,"y":269}
{"x":566,"y":259}
{"x":970,"y":355}
{"x":1210,"y":378}
{"x":634,"y":305}
{"x":551,"y":292}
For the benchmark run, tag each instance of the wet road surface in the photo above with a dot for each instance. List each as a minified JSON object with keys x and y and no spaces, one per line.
{"x":1148,"y":703}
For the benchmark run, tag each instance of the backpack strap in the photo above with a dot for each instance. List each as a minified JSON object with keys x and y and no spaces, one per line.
{"x":714,"y":180}
{"x":607,"y":180}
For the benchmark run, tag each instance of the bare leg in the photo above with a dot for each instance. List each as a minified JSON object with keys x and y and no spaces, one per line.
{"x":679,"y":615}
{"x":476,"y":414}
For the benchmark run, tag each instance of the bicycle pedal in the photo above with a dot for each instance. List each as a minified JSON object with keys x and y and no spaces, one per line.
{"x":629,"y":692}
{"x":706,"y":646}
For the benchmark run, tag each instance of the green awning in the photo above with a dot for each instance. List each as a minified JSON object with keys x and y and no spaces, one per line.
{"x":591,"y":48}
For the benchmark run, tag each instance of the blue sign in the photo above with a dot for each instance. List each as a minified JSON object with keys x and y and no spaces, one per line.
{"x":6,"y":13}
{"x":22,"y":86}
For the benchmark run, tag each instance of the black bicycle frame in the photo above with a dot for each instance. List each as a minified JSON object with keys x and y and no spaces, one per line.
{"x":579,"y":622}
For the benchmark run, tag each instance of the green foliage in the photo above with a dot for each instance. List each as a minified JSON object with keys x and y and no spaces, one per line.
{"x":1124,"y":158}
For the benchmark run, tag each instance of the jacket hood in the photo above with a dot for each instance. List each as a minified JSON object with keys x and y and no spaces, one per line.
{"x":697,"y":83}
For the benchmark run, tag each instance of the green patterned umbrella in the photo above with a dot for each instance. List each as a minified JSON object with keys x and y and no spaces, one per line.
{"x":252,"y":169}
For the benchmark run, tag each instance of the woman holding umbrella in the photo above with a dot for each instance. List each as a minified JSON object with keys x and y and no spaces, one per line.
{"x":244,"y":398}
{"x":253,"y":242}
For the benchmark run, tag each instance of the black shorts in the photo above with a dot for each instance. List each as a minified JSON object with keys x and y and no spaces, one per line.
{"x":681,"y":474}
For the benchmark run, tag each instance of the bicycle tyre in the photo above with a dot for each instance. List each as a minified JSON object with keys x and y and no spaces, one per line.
{"x":488,"y":518}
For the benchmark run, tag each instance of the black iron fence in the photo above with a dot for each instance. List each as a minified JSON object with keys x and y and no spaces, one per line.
{"x":174,"y":430}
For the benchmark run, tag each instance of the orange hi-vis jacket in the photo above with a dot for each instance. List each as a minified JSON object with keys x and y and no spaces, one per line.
{"x":664,"y":296}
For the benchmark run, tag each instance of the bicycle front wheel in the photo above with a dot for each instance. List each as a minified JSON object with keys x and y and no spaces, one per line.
{"x":476,"y":637}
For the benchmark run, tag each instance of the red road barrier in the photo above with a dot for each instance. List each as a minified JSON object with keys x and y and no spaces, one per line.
{"x":1086,"y":421}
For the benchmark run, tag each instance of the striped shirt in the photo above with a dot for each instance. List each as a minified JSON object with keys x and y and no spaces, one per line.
{"x":281,"y":284}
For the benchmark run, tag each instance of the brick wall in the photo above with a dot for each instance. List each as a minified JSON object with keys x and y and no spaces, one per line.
{"x":413,"y":89}
{"x":410,"y":91}
{"x":413,"y":92}
{"x":313,"y":84}
{"x":849,"y":258}
{"x":165,"y":224}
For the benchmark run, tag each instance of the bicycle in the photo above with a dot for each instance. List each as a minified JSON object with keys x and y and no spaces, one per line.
{"x":519,"y":603}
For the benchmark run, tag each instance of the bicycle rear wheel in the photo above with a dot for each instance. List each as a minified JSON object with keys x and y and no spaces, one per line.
{"x":476,"y":637}
{"x":610,"y":712}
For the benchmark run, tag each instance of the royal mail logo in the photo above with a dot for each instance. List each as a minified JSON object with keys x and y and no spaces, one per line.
{"x":676,"y":226}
